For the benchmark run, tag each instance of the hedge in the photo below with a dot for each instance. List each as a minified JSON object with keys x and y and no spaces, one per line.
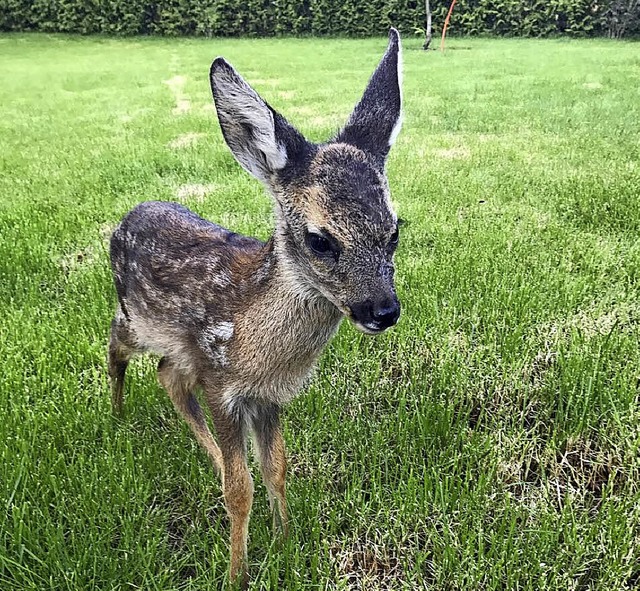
{"x":319,"y":17}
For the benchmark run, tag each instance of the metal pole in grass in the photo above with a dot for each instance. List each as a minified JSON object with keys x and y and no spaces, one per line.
{"x":427,"y":32}
{"x":446,"y":24}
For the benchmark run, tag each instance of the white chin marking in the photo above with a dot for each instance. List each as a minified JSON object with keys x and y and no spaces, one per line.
{"x":366,"y":329}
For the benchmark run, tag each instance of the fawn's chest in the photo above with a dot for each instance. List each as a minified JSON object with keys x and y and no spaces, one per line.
{"x":275,"y":345}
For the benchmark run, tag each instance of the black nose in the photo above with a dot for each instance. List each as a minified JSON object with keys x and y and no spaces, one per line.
{"x":376,"y":316}
{"x":387,"y":315}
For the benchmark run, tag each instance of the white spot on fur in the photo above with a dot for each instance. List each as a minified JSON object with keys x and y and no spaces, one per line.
{"x":185,"y":140}
{"x":222,"y":331}
{"x":395,"y":132}
{"x":120,"y":317}
{"x":131,"y":238}
{"x":213,"y":341}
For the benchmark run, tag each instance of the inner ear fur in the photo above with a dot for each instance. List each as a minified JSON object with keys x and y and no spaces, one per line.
{"x":261,"y":139}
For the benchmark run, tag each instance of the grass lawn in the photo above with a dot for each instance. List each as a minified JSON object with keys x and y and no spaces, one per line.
{"x":490,"y":441}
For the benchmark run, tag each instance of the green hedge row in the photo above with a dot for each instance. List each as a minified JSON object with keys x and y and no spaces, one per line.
{"x":319,"y":17}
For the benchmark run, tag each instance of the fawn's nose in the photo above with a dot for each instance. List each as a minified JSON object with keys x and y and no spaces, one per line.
{"x":387,"y":315}
{"x":376,"y":316}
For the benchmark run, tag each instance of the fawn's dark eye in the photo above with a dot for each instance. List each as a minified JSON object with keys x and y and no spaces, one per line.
{"x":393,"y":241}
{"x":319,"y":244}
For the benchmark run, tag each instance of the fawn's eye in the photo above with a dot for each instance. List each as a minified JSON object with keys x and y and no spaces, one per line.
{"x":393,"y":241}
{"x":319,"y":244}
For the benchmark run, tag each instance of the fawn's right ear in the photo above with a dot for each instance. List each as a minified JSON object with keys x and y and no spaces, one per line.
{"x":375,"y":122}
{"x":262,"y":141}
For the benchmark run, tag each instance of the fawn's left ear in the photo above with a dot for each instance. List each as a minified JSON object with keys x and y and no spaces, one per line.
{"x":376,"y":120}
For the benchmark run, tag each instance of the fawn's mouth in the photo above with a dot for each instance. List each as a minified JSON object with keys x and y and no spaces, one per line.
{"x":369,"y":328}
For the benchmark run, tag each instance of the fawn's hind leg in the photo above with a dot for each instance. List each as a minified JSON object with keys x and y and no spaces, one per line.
{"x":181,"y":393}
{"x":270,"y":446}
{"x":122,"y":346}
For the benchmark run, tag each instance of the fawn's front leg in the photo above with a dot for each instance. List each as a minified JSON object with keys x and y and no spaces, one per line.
{"x":237,"y":484}
{"x":267,"y":431}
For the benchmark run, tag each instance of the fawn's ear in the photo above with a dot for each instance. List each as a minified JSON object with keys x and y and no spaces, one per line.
{"x":376,"y":120}
{"x":261,"y":139}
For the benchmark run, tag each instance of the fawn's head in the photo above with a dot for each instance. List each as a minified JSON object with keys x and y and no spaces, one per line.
{"x":336,"y":229}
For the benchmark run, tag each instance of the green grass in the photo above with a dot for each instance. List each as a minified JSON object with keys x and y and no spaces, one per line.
{"x":490,"y":441}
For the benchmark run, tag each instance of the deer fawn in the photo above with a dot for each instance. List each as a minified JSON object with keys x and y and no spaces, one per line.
{"x":244,"y":321}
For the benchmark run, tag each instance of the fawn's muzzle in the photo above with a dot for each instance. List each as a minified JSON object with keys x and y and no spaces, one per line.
{"x":375,"y":317}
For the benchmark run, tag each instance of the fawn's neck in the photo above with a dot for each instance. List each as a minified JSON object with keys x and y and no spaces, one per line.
{"x":282,"y":330}
{"x":286,"y":308}
{"x":280,"y":281}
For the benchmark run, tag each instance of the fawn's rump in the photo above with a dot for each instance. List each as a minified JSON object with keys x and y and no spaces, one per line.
{"x":170,"y":267}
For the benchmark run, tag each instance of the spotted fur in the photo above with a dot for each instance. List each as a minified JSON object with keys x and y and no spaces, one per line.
{"x":244,"y":321}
